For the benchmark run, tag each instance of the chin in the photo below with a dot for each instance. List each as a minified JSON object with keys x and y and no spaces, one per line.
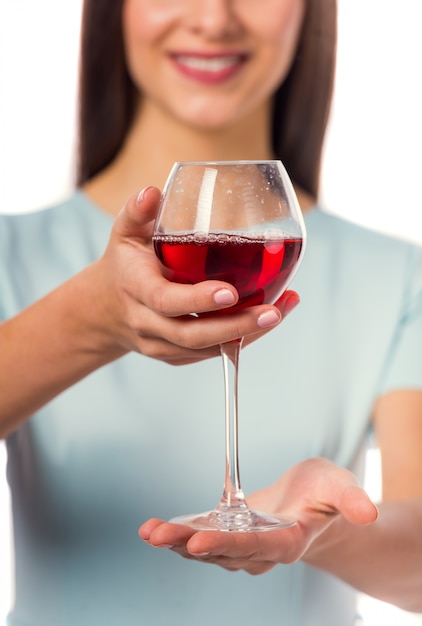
{"x":211,"y":122}
{"x":210,"y":116}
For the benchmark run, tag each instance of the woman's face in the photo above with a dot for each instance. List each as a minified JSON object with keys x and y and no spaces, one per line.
{"x":210,"y":63}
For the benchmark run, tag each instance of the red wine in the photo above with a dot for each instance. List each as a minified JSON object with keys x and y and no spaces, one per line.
{"x":258,"y":267}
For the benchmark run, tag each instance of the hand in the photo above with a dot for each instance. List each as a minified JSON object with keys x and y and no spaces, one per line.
{"x":314,"y":493}
{"x":141,"y":310}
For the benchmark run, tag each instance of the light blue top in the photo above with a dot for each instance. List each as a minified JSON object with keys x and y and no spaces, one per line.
{"x":139,"y":438}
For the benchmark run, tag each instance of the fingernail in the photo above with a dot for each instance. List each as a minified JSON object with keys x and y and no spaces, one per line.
{"x":141,"y":195}
{"x":291,"y":302}
{"x":267,"y":319}
{"x":165,"y":545}
{"x":224,"y":296}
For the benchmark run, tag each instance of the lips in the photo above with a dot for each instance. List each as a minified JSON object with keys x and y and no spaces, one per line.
{"x":209,"y":68}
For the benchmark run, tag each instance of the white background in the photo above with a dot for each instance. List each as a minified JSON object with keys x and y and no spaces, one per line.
{"x":372,"y":164}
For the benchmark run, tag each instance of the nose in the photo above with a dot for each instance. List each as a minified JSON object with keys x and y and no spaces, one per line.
{"x":214,"y":19}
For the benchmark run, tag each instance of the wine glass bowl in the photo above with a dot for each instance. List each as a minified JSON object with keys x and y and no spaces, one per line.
{"x":239,"y":222}
{"x":236,"y":226}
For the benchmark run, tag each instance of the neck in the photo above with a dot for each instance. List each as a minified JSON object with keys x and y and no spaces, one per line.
{"x":156,"y":141}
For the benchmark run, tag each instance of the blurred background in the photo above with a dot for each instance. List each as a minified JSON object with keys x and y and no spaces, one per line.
{"x":371,"y":168}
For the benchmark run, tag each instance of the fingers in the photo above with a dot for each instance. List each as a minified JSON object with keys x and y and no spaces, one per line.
{"x":199,"y":333}
{"x":172,"y":299}
{"x":340,"y":493}
{"x":251,"y":546}
{"x":331,"y":490}
{"x":160,"y":334}
{"x":254,"y":552}
{"x":160,"y":318}
{"x":162,"y":534}
{"x":148,"y":527}
{"x":177,"y":302}
{"x":287,"y":302}
{"x":175,"y":299}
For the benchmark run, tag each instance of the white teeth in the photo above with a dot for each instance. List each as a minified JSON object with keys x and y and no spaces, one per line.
{"x":208,"y":65}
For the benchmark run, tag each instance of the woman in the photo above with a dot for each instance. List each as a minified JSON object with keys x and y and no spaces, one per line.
{"x":100,"y":438}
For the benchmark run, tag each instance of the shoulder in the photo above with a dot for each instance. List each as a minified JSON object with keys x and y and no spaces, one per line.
{"x":54,"y":223}
{"x":69,"y":207}
{"x":356,"y":263}
{"x":32,"y":221}
{"x":43,"y":248}
{"x":344,"y":238}
{"x":72,"y":230}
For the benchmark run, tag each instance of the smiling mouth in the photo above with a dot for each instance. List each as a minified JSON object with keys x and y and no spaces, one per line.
{"x":211,"y":64}
{"x":209,"y":68}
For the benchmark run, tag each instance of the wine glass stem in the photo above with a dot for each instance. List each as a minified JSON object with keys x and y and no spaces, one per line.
{"x":233,"y":495}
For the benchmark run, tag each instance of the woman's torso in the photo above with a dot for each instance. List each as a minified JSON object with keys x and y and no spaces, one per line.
{"x":139,"y":438}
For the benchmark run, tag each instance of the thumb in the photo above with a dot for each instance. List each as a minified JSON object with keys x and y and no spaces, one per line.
{"x":136,"y":217}
{"x":357,"y":507}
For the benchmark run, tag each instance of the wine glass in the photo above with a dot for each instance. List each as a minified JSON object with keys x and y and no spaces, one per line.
{"x":239,"y":222}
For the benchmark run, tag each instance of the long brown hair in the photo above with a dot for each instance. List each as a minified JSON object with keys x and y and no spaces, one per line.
{"x":107,"y":95}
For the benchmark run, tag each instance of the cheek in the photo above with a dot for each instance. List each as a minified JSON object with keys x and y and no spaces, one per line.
{"x":134,"y":27}
{"x":146,"y":21}
{"x":142,"y":29}
{"x":280,"y":31}
{"x":138,"y":23}
{"x":144,"y":26}
{"x":280,"y":23}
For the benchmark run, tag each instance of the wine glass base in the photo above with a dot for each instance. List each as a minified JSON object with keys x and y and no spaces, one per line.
{"x":237,"y":521}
